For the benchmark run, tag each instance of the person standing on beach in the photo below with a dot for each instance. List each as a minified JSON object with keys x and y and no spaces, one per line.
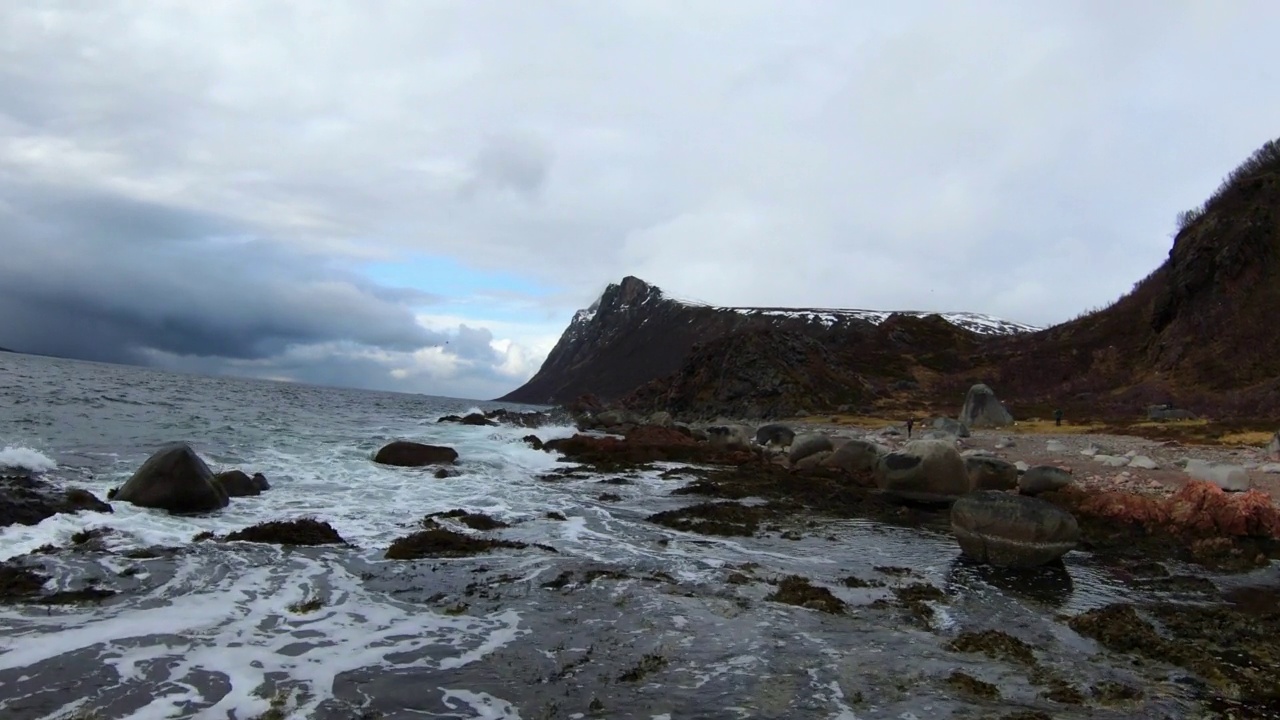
{"x":910,"y":424}
{"x":1057,"y":416}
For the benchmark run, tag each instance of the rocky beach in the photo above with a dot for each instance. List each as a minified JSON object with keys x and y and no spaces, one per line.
{"x":526,"y":565}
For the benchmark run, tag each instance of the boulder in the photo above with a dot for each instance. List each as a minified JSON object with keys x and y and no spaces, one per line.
{"x":662,"y":418}
{"x":809,"y":462}
{"x":1055,"y":446}
{"x":1143,"y":462}
{"x":1007,"y":530}
{"x":1232,"y":478}
{"x":1111,"y":460}
{"x":26,"y":500}
{"x":175,"y":479}
{"x":729,"y":436}
{"x":856,"y":456}
{"x":808,"y":444}
{"x":989,"y":473}
{"x":1022,"y":466}
{"x":923,"y":470}
{"x":405,"y":453}
{"x":683,"y":429}
{"x":982,"y":409}
{"x":1273,"y":447}
{"x":616,"y":419}
{"x":238,"y":483}
{"x":1270,"y":468}
{"x":951,"y":427}
{"x":1043,"y":478}
{"x":532,"y":441}
{"x":775,"y":434}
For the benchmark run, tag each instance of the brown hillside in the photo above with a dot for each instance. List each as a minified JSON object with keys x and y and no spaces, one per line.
{"x":1199,"y":331}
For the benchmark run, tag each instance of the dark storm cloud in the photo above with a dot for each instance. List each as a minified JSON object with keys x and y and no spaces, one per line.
{"x":101,"y":277}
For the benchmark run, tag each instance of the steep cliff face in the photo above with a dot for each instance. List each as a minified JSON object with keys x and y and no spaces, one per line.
{"x":634,"y":334}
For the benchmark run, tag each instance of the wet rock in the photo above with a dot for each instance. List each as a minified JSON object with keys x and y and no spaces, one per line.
{"x":644,"y":444}
{"x":1232,"y":478}
{"x":988,"y":473}
{"x":405,"y":453}
{"x":237,"y":483}
{"x":925,"y":471}
{"x":1142,"y":462}
{"x":995,"y":644}
{"x":174,"y":479}
{"x":303,"y":531}
{"x":856,"y":457}
{"x":533,"y":441}
{"x":439,"y":542}
{"x":982,"y":409}
{"x":476,"y":419}
{"x":1008,"y":530}
{"x":553,"y":515}
{"x":797,"y":590}
{"x":1042,"y":479}
{"x":775,"y":435}
{"x":969,"y":685}
{"x":617,"y":419}
{"x":475,"y":521}
{"x":18,"y":582}
{"x":727,"y":518}
{"x":28,"y":500}
{"x":954,"y":428}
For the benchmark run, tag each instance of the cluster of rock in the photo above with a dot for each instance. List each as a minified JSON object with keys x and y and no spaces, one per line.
{"x":493,"y":418}
{"x":176,"y":479}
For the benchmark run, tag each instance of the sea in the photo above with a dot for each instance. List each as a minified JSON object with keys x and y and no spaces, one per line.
{"x":604,"y":615}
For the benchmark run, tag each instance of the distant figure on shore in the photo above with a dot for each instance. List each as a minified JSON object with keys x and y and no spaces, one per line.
{"x":1057,"y":416}
{"x":911,"y":422}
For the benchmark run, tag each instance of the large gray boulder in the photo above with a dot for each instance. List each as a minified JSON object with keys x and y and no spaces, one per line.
{"x":982,"y":409}
{"x":775,"y":435}
{"x":405,"y":453}
{"x":808,"y":444}
{"x":1008,"y":530}
{"x":923,"y":470}
{"x":991,"y":473}
{"x":951,"y":427}
{"x":1273,"y":447}
{"x":729,"y":436}
{"x":856,"y":457}
{"x":1232,"y":478}
{"x":1043,"y":478}
{"x":175,"y":479}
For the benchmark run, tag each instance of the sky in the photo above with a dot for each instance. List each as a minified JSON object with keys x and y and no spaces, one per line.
{"x":417,"y":195}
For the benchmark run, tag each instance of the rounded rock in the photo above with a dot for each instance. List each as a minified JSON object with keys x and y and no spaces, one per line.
{"x":1008,"y":530}
{"x":924,"y":471}
{"x":1043,"y":478}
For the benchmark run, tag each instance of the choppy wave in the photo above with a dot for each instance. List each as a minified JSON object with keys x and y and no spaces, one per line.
{"x":25,"y":459}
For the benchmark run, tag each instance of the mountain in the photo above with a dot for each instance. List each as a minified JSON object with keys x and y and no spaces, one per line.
{"x":635,"y":334}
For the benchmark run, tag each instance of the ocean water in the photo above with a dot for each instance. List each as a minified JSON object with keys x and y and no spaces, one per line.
{"x":612,"y":617}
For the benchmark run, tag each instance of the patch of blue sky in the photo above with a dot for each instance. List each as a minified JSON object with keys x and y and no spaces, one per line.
{"x":464,"y":291}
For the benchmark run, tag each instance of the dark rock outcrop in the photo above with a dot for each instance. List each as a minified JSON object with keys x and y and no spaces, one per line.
{"x":405,"y":453}
{"x":923,"y":471}
{"x":775,"y":434}
{"x":175,"y":479}
{"x":26,"y":500}
{"x":238,"y":483}
{"x":1009,"y":530}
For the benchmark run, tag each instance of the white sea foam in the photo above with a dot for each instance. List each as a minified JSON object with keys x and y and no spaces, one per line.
{"x":25,"y":458}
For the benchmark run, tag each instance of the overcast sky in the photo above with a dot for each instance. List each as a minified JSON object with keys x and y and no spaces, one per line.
{"x":417,"y":195}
